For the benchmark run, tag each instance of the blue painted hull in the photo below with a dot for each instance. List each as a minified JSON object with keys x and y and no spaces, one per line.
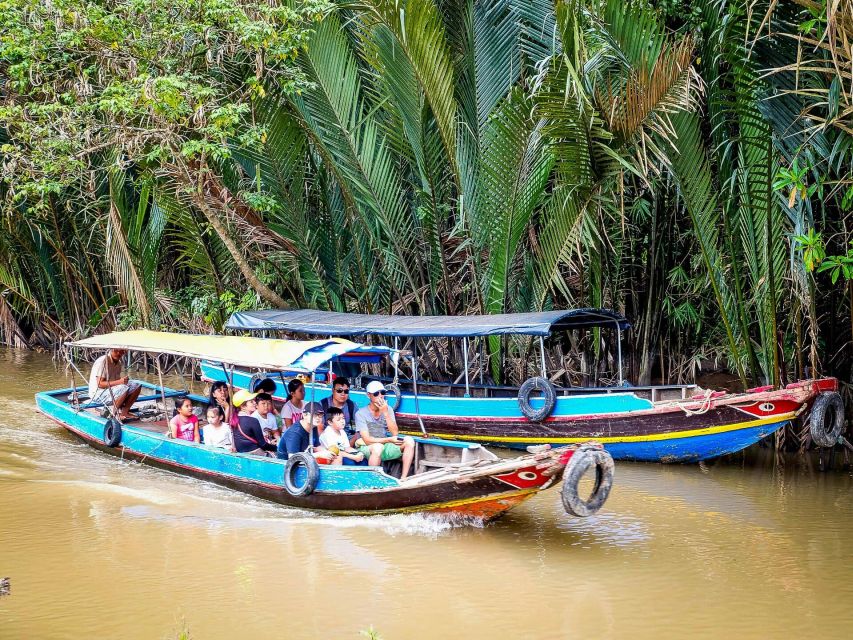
{"x":629,"y":426}
{"x":690,"y":449}
{"x":340,"y":489}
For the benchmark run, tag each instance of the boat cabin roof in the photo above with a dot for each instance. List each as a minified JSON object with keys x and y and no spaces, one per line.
{"x":333,"y":323}
{"x":256,"y":353}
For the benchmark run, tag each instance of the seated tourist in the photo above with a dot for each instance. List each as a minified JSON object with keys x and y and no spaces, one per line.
{"x":292,"y":410}
{"x":299,"y":436}
{"x":336,"y":441}
{"x":219,"y":396}
{"x":340,"y":399}
{"x":248,"y":435}
{"x":264,"y":414}
{"x":377,"y":427}
{"x":109,"y":387}
{"x":267,"y":385}
{"x":216,"y":432}
{"x":184,"y":425}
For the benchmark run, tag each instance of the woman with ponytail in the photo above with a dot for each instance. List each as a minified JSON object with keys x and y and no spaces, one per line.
{"x":291,"y":412}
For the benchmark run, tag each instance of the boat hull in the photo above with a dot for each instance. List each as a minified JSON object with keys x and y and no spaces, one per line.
{"x":629,"y":427}
{"x":341,"y":490}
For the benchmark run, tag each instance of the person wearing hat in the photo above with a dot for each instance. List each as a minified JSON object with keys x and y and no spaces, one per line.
{"x":248,"y":435}
{"x":108,"y":386}
{"x":306,"y":432}
{"x":377,"y":427}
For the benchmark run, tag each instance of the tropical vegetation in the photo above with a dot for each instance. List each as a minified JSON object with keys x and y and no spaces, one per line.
{"x":689,"y":164}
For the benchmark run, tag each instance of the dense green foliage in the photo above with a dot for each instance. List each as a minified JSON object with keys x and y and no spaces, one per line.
{"x":686,"y":163}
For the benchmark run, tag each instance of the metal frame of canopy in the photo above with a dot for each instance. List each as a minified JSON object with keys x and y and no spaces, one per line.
{"x":254,"y":353}
{"x":537,"y":324}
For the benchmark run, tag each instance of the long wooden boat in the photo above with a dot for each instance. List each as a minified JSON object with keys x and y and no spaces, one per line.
{"x":674,"y":423}
{"x":462,"y":479}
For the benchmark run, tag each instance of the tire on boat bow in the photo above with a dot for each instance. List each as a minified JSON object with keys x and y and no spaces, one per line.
{"x":112,"y":433}
{"x":827,"y":419}
{"x":313,"y":474}
{"x":581,"y":462}
{"x":549,"y":395}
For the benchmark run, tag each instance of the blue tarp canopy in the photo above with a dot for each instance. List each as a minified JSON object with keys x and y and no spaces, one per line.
{"x":331,"y":323}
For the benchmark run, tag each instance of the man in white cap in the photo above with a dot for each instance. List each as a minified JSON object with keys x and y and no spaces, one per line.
{"x":377,"y":427}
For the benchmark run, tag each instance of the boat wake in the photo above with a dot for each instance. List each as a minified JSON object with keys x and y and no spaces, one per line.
{"x":278,"y":519}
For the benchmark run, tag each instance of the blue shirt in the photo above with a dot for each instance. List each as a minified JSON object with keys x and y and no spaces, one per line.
{"x":294,"y":440}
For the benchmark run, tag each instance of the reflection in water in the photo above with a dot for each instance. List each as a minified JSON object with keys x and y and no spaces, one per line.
{"x":101,"y":548}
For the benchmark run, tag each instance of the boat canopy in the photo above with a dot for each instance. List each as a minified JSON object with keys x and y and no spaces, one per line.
{"x":332,"y":323}
{"x":256,"y":353}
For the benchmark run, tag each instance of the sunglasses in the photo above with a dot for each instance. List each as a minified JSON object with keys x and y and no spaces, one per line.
{"x":379,"y":393}
{"x":343,"y":391}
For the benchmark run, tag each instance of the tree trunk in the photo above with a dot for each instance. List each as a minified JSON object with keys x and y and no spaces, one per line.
{"x":239,"y":259}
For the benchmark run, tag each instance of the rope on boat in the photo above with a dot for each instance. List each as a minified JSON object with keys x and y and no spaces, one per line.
{"x":149,"y":453}
{"x":703,"y":408}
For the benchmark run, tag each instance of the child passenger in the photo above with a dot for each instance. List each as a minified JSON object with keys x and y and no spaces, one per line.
{"x":184,"y":426}
{"x":335,"y":439}
{"x":216,"y":432}
{"x":264,"y":414}
{"x":291,"y":412}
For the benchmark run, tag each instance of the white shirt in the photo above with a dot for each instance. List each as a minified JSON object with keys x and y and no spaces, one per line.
{"x":268,"y":423}
{"x":330,"y":438}
{"x":290,"y":410}
{"x":220,"y":436}
{"x":104,"y":367}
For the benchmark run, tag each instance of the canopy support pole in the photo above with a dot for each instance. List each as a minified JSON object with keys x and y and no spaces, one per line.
{"x":619,"y":351}
{"x":70,"y":360}
{"x":542,"y":356}
{"x":75,"y":398}
{"x":229,"y":378}
{"x":163,"y":390}
{"x":415,"y":383}
{"x":395,"y":361}
{"x":313,"y":396}
{"x":465,"y":358}
{"x":283,"y":383}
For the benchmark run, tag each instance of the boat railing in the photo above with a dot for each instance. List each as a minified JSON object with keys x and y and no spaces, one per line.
{"x":652,"y":392}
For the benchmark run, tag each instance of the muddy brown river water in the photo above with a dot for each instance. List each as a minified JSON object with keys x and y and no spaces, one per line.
{"x":99,"y":548}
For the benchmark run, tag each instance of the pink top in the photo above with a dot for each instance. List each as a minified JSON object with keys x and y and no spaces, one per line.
{"x":185,"y":428}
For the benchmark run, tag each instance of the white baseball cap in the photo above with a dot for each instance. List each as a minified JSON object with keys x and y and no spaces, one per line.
{"x":373,"y":386}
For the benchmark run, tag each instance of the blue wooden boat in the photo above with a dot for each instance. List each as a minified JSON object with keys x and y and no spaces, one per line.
{"x":667,"y":423}
{"x":458,"y":478}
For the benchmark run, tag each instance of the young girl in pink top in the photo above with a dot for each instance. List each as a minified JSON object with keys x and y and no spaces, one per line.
{"x":184,"y":425}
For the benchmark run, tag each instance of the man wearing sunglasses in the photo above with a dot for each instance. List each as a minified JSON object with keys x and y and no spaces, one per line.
{"x":340,"y":399}
{"x":377,"y":427}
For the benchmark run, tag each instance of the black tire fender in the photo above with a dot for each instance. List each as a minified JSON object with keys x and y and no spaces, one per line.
{"x":394,"y":389}
{"x":293,"y":463}
{"x":112,"y":432}
{"x":580,"y":462}
{"x":827,"y":419}
{"x":525,"y":392}
{"x":255,"y":379}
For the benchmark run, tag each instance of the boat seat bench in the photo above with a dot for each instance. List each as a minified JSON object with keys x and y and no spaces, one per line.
{"x":169,"y":394}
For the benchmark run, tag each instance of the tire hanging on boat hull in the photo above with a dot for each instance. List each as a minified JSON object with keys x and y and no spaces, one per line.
{"x":581,"y":462}
{"x":112,"y":433}
{"x":827,"y":419}
{"x":311,"y":467}
{"x":525,"y":393}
